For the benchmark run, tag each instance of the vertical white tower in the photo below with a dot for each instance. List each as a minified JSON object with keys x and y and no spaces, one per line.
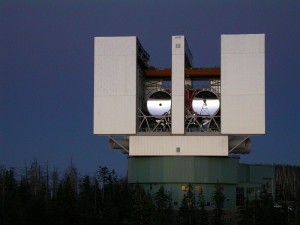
{"x":243,"y":84}
{"x":115,"y":85}
{"x":178,"y":77}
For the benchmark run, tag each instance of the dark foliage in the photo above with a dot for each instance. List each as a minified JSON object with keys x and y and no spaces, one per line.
{"x":202,"y":213}
{"x":218,"y":198}
{"x":163,"y":206}
{"x":262,"y":210}
{"x":36,"y":196}
{"x":188,"y":206}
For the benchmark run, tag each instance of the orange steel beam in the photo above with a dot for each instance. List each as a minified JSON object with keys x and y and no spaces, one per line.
{"x":158,"y":72}
{"x":203,"y":72}
{"x":193,"y":72}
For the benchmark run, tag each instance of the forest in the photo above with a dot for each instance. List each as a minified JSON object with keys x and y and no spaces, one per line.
{"x":34,"y":195}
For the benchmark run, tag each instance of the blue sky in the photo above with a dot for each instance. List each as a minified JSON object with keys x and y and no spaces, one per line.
{"x":46,"y":69}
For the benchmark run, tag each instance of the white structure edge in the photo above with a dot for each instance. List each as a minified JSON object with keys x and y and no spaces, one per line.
{"x":178,"y":63}
{"x":178,"y":145}
{"x":243,"y":84}
{"x":115,"y":75}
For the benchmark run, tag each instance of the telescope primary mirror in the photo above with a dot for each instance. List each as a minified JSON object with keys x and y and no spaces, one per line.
{"x":159,"y":103}
{"x":206,"y":103}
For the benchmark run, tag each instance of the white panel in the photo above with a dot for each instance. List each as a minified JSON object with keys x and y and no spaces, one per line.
{"x":115,"y":45}
{"x":178,"y":44}
{"x":249,"y":121}
{"x":109,"y":75}
{"x":178,"y":145}
{"x":109,"y":114}
{"x":243,"y":84}
{"x":115,"y":85}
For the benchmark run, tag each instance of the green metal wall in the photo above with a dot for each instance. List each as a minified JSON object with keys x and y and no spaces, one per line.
{"x":180,"y":169}
{"x":176,"y":172}
{"x":255,"y":176}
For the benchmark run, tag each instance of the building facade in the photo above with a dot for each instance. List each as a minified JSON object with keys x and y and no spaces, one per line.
{"x":239,"y":181}
{"x":183,"y":133}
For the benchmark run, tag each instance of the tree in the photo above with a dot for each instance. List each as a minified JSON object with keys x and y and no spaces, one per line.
{"x":103,"y":177}
{"x":266,"y":213}
{"x":218,"y":198}
{"x":85,"y":201}
{"x":261,"y":210}
{"x":9,"y":201}
{"x":163,"y":205}
{"x":296,"y":209}
{"x":188,"y":205}
{"x":142,"y":207}
{"x":202,"y":215}
{"x":38,"y":205}
{"x":122,"y":199}
{"x":65,"y":204}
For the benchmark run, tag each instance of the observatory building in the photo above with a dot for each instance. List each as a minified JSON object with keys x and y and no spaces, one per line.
{"x":184,"y":125}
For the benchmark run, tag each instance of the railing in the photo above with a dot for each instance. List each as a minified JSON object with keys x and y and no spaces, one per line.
{"x":193,"y":123}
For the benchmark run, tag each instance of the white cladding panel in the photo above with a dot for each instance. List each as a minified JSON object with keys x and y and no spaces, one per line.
{"x":178,"y":57}
{"x":110,"y":79}
{"x":178,"y":145}
{"x":243,"y":84}
{"x":115,"y":85}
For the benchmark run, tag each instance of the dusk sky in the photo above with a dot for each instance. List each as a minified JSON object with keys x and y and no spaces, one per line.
{"x":46,"y":71}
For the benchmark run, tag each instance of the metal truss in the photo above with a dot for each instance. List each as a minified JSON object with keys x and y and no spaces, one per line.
{"x":195,"y":123}
{"x":151,"y":86}
{"x":238,"y":144}
{"x":215,"y":86}
{"x":153,"y":124}
{"x":126,"y":150}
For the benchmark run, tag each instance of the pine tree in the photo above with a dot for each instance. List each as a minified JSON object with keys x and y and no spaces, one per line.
{"x":188,"y":206}
{"x":103,"y":178}
{"x":218,"y":198}
{"x":202,"y":215}
{"x":9,"y":209}
{"x":266,"y":213}
{"x":65,"y":205}
{"x":122,"y":200}
{"x":163,"y":205}
{"x":85,"y":201}
{"x":142,"y":207}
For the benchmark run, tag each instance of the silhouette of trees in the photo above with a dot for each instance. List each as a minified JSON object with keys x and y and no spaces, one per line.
{"x":287,"y":182}
{"x":163,"y":207}
{"x":188,"y":206}
{"x":202,"y":213}
{"x":218,"y":198}
{"x":9,"y":202}
{"x":142,"y":209}
{"x":35,"y":195}
{"x":261,"y":210}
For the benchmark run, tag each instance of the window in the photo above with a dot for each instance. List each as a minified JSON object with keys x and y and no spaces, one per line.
{"x":184,"y":188}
